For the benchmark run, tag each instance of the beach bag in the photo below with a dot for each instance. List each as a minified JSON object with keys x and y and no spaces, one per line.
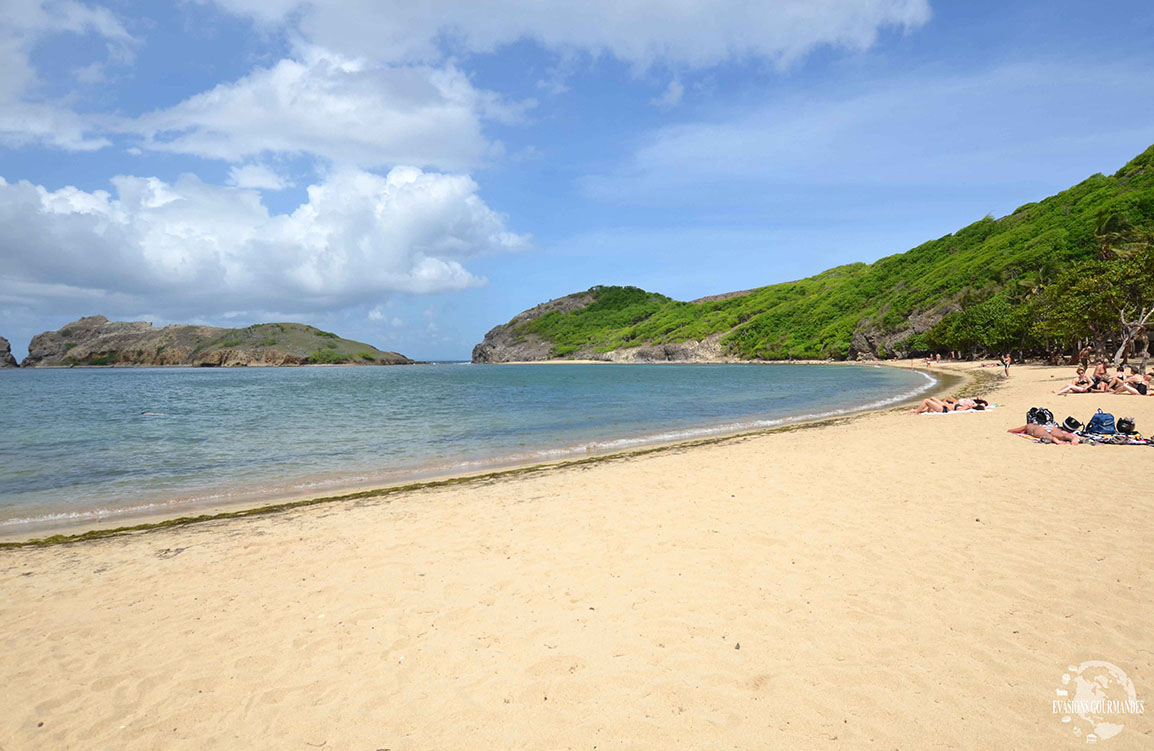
{"x":1102,"y":423}
{"x":1126,"y":425}
{"x":1071,"y":425}
{"x":1039,"y":416}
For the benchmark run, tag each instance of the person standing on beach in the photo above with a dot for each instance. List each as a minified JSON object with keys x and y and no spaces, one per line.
{"x":1006,"y":363}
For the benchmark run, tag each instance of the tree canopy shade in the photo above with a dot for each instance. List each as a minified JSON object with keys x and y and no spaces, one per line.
{"x":1069,"y":269}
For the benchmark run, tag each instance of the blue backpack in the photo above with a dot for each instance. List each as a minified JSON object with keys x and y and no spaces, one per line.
{"x":1102,"y":424}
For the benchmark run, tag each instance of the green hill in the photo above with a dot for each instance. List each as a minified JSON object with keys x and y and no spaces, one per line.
{"x":1043,"y":279}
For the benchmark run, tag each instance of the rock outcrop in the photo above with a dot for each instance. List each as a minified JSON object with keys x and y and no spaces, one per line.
{"x":97,"y":341}
{"x":505,"y":343}
{"x":873,"y":341}
{"x":6,"y":358}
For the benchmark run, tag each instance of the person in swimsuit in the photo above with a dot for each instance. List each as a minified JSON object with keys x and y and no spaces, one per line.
{"x":929,"y":404}
{"x":950,"y":404}
{"x":1101,"y":376}
{"x":1046,"y":433}
{"x":1118,"y":381}
{"x":1080,"y":385}
{"x":965,"y":404}
{"x":1135,"y":384}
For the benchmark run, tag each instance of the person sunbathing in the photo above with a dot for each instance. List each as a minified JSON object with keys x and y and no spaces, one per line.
{"x":950,"y":404}
{"x":1080,"y":385}
{"x":1046,"y":433}
{"x":929,"y":404}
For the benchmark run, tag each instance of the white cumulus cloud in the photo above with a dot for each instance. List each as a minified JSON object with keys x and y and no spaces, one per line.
{"x":693,"y":33}
{"x":191,"y":246}
{"x":339,"y":108}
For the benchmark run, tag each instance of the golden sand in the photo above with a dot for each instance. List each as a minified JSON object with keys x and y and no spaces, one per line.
{"x":887,"y":581}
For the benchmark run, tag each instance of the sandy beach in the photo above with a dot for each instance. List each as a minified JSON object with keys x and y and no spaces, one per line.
{"x":884,"y":581}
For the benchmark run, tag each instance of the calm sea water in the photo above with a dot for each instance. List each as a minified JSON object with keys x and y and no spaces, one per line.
{"x":92,"y":443}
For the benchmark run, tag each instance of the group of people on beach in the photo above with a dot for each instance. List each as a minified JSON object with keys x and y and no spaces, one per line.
{"x":930,"y":360}
{"x":1101,"y":382}
{"x":1043,"y":428}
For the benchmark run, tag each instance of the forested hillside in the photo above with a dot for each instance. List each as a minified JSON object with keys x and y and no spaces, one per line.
{"x":1077,"y":267}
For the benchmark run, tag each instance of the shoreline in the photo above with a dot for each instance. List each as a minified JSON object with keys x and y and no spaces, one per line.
{"x":51,"y":532}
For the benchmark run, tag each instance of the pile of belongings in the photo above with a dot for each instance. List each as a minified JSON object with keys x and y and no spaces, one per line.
{"x":1101,"y":428}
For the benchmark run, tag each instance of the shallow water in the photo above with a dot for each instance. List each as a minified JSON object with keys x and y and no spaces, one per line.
{"x":88,"y":443}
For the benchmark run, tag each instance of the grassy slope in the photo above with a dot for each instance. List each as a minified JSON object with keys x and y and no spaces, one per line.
{"x":816,"y":317}
{"x":305,"y":341}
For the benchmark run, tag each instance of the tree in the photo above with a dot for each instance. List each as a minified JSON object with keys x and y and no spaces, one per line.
{"x":1125,"y":286}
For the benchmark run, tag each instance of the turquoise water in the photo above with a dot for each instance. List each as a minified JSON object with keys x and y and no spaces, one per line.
{"x":75,"y":445}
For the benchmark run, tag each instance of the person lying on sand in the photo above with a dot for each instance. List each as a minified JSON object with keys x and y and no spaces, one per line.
{"x":929,"y":404}
{"x":1080,"y":385}
{"x":950,"y":404}
{"x":1046,"y":433}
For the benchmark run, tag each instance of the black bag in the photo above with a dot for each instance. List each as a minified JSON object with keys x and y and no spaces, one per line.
{"x":1071,"y":425}
{"x":1039,"y":416}
{"x":1126,"y":425}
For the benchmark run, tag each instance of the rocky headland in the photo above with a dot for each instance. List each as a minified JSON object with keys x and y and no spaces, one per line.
{"x":97,"y":341}
{"x":6,"y":358}
{"x":515,"y":341}
{"x":509,"y":343}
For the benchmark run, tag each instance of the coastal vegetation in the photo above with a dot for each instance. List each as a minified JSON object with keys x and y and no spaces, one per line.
{"x":1074,"y":269}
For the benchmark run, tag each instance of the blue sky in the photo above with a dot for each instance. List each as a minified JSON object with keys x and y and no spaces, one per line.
{"x":411,"y":175}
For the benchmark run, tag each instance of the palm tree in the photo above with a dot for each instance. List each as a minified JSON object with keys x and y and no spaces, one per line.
{"x":1117,"y":237}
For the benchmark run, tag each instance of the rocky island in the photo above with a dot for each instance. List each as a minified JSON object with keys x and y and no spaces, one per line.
{"x":97,"y":341}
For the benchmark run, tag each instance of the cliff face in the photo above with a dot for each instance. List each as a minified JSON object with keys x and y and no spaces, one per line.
{"x":97,"y":341}
{"x":6,"y":358}
{"x":505,"y":343}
